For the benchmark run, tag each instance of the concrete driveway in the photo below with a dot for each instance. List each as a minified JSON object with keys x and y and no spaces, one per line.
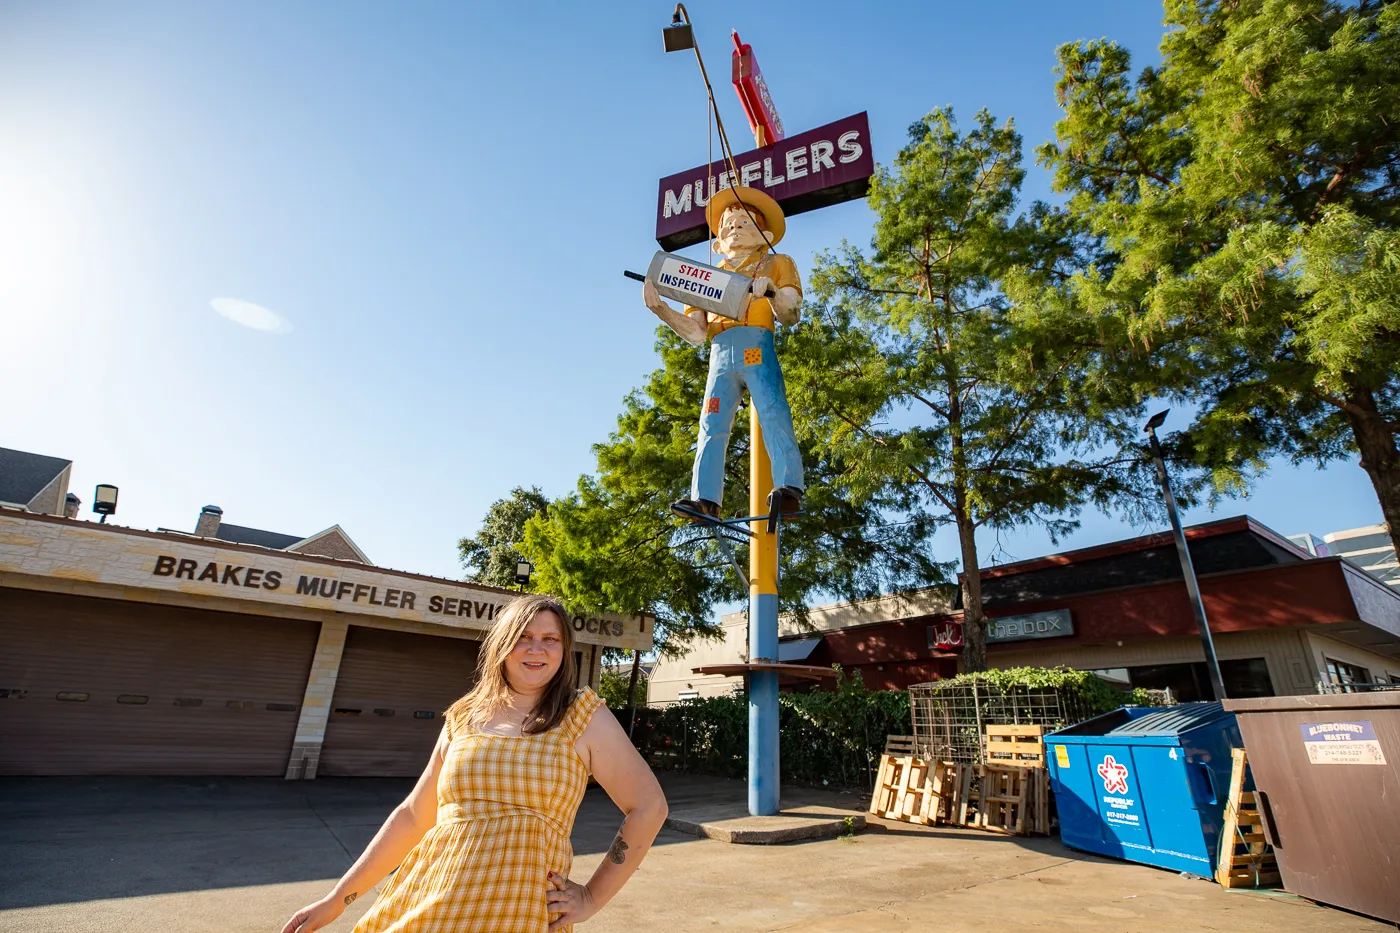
{"x":239,"y":856}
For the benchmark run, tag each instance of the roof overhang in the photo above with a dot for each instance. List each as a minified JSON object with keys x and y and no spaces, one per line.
{"x":51,"y":554}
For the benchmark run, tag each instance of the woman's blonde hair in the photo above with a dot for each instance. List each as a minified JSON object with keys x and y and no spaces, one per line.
{"x":492,"y":691}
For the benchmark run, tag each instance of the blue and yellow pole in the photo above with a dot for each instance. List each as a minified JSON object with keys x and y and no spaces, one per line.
{"x":763,"y":632}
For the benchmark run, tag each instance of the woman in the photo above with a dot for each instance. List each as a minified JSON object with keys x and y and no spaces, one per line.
{"x":482,"y":842}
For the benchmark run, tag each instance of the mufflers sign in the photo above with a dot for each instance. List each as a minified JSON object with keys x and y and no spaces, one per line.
{"x":827,"y":165}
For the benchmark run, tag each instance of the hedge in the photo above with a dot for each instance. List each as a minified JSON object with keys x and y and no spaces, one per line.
{"x":833,"y":738}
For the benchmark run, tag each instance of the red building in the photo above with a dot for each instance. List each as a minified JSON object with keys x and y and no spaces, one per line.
{"x":1282,"y":620}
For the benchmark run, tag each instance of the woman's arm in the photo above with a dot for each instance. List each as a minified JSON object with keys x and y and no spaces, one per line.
{"x":629,"y":782}
{"x":406,"y":825}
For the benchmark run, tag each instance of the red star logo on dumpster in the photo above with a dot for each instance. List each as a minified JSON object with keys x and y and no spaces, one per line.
{"x":1115,"y":776}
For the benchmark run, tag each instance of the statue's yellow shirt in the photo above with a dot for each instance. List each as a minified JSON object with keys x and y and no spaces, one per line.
{"x":781,"y":269}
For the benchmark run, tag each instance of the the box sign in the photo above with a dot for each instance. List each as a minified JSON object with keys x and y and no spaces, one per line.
{"x":1342,"y":743}
{"x":1051,"y":624}
{"x":948,"y":636}
{"x":828,"y":165}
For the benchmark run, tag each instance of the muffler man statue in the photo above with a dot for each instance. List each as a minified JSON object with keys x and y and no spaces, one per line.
{"x":741,"y":352}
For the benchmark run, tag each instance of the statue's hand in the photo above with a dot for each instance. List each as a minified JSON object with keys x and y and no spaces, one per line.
{"x":762,"y":285}
{"x":652,"y":298}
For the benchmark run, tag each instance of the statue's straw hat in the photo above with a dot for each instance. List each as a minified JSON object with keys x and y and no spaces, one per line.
{"x":754,"y":200}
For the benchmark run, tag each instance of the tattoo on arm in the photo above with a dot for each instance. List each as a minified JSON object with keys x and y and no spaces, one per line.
{"x":351,"y":896}
{"x":618,"y":851}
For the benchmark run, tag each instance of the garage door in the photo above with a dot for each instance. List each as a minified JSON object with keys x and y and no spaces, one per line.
{"x":389,"y":698}
{"x":100,"y":686}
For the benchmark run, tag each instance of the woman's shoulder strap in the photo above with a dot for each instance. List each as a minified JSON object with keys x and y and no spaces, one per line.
{"x":586,"y":702}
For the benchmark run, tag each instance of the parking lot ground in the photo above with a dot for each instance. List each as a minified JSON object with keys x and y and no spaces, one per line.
{"x":240,"y":855}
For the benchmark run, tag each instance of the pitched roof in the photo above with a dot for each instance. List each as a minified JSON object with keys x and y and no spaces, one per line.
{"x":332,"y":542}
{"x":239,"y":534}
{"x":24,"y":475}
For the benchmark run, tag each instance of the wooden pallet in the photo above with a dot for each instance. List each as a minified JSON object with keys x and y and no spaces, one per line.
{"x":913,"y":790}
{"x":950,"y":794}
{"x":1014,"y":799}
{"x":1246,"y":860}
{"x":1003,"y":798}
{"x":903,"y":784}
{"x":1015,"y":744}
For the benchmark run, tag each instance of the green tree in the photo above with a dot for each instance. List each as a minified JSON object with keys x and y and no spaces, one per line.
{"x":615,"y":685}
{"x":613,"y":545}
{"x":1245,"y":195}
{"x":931,"y":385}
{"x":491,"y":554}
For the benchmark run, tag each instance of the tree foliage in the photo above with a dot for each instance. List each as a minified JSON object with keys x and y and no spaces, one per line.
{"x":1244,"y":198}
{"x":491,"y":554}
{"x":614,"y":687}
{"x":941,"y":370}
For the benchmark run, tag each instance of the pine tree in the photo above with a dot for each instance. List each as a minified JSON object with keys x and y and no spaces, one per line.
{"x":943,"y":373}
{"x":1245,"y":196}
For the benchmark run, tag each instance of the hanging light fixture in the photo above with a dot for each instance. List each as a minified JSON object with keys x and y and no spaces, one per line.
{"x":678,"y":36}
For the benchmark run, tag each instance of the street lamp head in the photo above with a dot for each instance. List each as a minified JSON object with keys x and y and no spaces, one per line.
{"x":523,"y":569}
{"x":104,"y":500}
{"x":678,"y":36}
{"x":1157,"y":420}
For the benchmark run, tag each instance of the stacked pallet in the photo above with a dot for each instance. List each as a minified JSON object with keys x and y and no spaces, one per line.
{"x":1008,"y":794}
{"x":1246,"y":859}
{"x":1014,"y":799}
{"x":1016,"y":745}
{"x":903,"y":783}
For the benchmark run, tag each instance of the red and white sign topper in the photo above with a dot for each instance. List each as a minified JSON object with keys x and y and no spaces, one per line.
{"x":753,"y":93}
{"x":1115,"y":776}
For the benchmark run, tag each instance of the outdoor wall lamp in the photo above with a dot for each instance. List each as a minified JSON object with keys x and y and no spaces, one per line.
{"x":104,"y":501}
{"x":523,"y":569}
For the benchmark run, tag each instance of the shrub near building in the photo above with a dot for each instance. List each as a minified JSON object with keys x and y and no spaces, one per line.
{"x":835,"y":738}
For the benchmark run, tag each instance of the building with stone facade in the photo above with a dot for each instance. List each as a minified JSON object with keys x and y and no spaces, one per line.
{"x":233,"y":651}
{"x":1283,"y":621}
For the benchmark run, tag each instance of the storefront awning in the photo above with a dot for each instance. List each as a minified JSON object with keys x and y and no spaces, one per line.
{"x":799,"y":649}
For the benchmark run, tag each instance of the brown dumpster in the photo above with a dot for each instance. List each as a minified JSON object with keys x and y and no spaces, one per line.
{"x":1327,"y":771}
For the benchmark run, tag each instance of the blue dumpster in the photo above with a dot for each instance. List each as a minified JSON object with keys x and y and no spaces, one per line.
{"x":1147,"y":784}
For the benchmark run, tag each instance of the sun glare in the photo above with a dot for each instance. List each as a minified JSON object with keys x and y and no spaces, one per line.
{"x":252,"y":316}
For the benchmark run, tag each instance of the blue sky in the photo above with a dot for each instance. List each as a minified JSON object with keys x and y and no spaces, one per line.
{"x":439,"y":200}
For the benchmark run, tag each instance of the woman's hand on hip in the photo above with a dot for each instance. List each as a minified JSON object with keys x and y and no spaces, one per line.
{"x":315,"y":916}
{"x":570,"y":900}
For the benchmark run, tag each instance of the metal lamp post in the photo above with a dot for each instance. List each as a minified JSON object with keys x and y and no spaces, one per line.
{"x":764,"y":770}
{"x":1193,"y":590}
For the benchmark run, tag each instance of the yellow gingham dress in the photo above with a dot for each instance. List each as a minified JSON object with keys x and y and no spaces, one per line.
{"x":506,"y":806}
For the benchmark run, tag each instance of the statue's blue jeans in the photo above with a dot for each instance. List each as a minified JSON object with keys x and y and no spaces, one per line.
{"x":743,"y":357}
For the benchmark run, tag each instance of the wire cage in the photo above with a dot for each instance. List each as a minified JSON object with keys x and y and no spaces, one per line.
{"x":951,"y":718}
